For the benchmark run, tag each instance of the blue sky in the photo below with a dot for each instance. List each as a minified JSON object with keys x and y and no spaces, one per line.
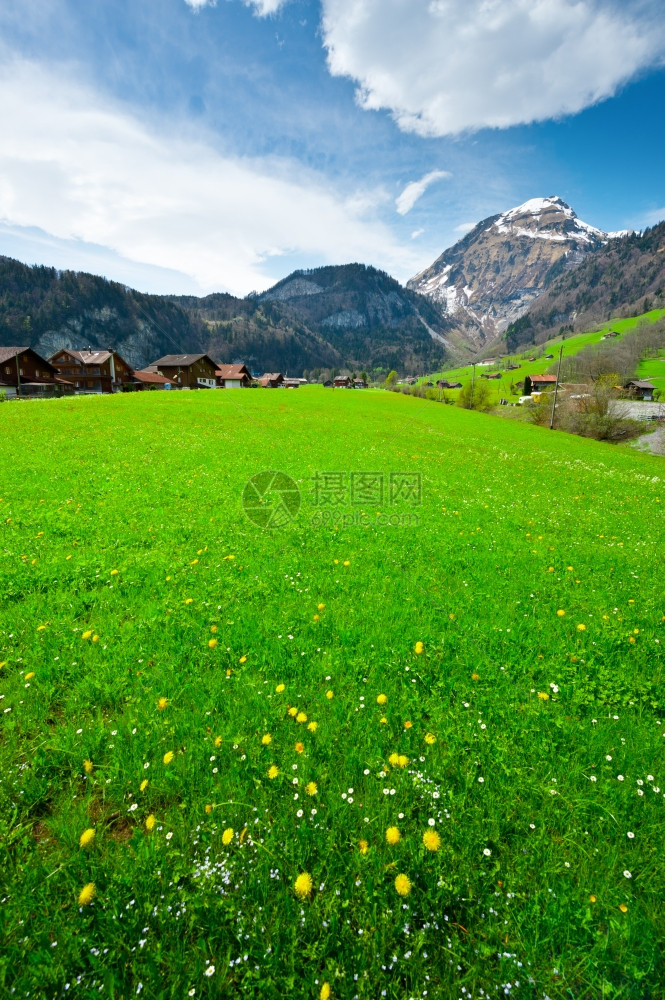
{"x":189,"y":146}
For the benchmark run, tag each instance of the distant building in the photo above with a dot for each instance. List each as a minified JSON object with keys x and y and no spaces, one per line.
{"x":343,"y":382}
{"x":233,"y":377}
{"x":291,"y":383}
{"x":187,"y":371}
{"x":540,"y":382}
{"x":150,"y":380}
{"x":609,"y":334}
{"x":271,"y":380}
{"x":359,"y":383}
{"x":443,"y":383}
{"x":23,"y":373}
{"x":640,"y":389}
{"x":93,"y":371}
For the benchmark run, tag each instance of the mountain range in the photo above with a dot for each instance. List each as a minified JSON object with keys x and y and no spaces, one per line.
{"x":513,"y":279}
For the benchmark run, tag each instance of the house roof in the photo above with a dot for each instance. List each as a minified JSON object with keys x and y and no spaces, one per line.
{"x":640,"y":383}
{"x":7,"y":353}
{"x":151,"y":377}
{"x":232,"y":371}
{"x":180,"y":360}
{"x":272,"y":375}
{"x":543,"y":378}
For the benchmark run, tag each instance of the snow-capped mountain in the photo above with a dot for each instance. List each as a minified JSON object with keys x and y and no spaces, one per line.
{"x":495,"y":272}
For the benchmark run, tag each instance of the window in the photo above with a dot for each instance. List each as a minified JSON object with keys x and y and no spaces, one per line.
{"x":90,"y":384}
{"x":7,"y":369}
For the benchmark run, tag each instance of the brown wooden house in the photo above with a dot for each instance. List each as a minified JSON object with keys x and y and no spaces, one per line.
{"x":639,"y":388}
{"x":271,"y":380}
{"x":233,"y":377}
{"x":93,"y":371}
{"x":23,"y":372}
{"x":151,"y":380}
{"x":187,"y":371}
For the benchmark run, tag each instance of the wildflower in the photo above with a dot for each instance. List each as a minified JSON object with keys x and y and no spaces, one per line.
{"x":114,"y":572}
{"x":150,"y":822}
{"x":330,"y":695}
{"x":408,"y":725}
{"x":430,"y":738}
{"x":592,"y":899}
{"x":419,"y":647}
{"x":431,"y":840}
{"x":303,"y":885}
{"x":210,"y":971}
{"x":280,"y":688}
{"x":168,"y":756}
{"x":543,"y":695}
{"x":403,"y":885}
{"x":311,"y":788}
{"x":243,"y":659}
{"x":41,"y":628}
{"x":383,"y":720}
{"x":561,"y":613}
{"x":86,"y":837}
{"x":293,"y":711}
{"x":189,"y":600}
{"x":347,"y":562}
{"x":273,"y":772}
{"x":313,"y":726}
{"x":325,"y":992}
{"x":381,"y":699}
{"x":627,"y":874}
{"x":320,"y":606}
{"x":581,"y":628}
{"x":393,"y":759}
{"x":213,"y":629}
{"x":86,"y":634}
{"x":87,"y":894}
{"x":208,"y":809}
{"x":88,"y":766}
{"x":193,"y":562}
{"x":95,"y":638}
{"x":143,"y":785}
{"x":299,"y":747}
{"x":393,"y":836}
{"x":623,"y":907}
{"x":212,"y":643}
{"x":301,"y":717}
{"x":402,"y":760}
{"x":162,"y":703}
{"x":29,"y":675}
{"x":363,"y":846}
{"x":475,"y":677}
{"x":266,"y":740}
{"x":227,"y":836}
{"x":218,"y":741}
{"x":486,"y":852}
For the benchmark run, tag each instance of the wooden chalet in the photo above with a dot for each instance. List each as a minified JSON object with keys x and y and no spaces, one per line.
{"x":291,"y":383}
{"x":187,"y":371}
{"x":540,"y":382}
{"x":233,"y":377}
{"x":639,"y":388}
{"x":271,"y":380}
{"x":343,"y":382}
{"x":93,"y":371}
{"x":151,"y":380}
{"x":25,"y":373}
{"x":359,"y":383}
{"x":443,"y":383}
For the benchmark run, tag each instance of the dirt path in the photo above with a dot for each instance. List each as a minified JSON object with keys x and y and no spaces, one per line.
{"x":654,"y":442}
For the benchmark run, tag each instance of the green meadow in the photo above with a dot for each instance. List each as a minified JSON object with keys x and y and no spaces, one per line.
{"x":391,"y":725}
{"x":572,"y":344}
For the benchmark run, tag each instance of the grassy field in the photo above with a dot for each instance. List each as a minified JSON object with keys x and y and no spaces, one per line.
{"x":501,"y":388}
{"x":404,"y":745}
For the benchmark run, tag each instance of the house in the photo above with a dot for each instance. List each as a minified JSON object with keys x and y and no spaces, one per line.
{"x":443,"y":383}
{"x":187,"y":371}
{"x":549,"y":357}
{"x":328,"y":384}
{"x":492,"y":375}
{"x":512,"y":368}
{"x":540,"y":382}
{"x":359,"y":383}
{"x":93,"y":371}
{"x":151,"y":380}
{"x":343,"y":382}
{"x":233,"y":377}
{"x":640,"y":389}
{"x":23,"y":373}
{"x":609,"y":334}
{"x":271,"y":380}
{"x":291,"y":383}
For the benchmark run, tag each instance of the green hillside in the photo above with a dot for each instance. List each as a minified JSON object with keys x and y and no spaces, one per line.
{"x":398,"y":734}
{"x":572,"y":344}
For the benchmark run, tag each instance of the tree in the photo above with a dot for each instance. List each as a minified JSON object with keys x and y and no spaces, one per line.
{"x":479,"y":400}
{"x":391,"y":379}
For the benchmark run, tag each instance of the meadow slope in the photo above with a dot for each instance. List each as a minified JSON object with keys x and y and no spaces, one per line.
{"x":401,"y":746}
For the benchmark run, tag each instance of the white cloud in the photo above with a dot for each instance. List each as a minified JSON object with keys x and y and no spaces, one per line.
{"x":416,"y":233}
{"x":416,"y":189}
{"x":198,"y":4}
{"x":82,"y":169}
{"x":464,"y":227}
{"x":446,"y":66}
{"x":265,"y":7}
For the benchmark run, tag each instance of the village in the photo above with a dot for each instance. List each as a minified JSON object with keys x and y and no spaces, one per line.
{"x":25,"y":374}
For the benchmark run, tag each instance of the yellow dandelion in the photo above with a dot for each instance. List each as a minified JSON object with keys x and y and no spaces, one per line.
{"x":86,"y":837}
{"x":218,"y":741}
{"x":227,"y":836}
{"x":243,"y":659}
{"x":419,"y":647}
{"x":212,"y":643}
{"x":320,"y":606}
{"x":393,"y":836}
{"x":293,"y":711}
{"x":623,"y":907}
{"x":208,"y":809}
{"x":299,"y":747}
{"x":543,"y":695}
{"x":325,"y":992}
{"x":189,"y":600}
{"x":592,"y":899}
{"x":280,"y":688}
{"x":581,"y":628}
{"x":143,"y":785}
{"x":402,"y":761}
{"x":475,"y":677}
{"x":114,"y":572}
{"x":303,"y":885}
{"x":313,"y":726}
{"x":162,"y":704}
{"x":88,"y":766}
{"x":95,"y":638}
{"x":383,"y":720}
{"x":273,"y":771}
{"x":631,"y":638}
{"x":213,"y":629}
{"x":561,"y":612}
{"x":316,"y":618}
{"x":430,"y":738}
{"x":29,"y":675}
{"x":301,"y":717}
{"x":393,"y":760}
{"x":266,"y":740}
{"x":150,"y":822}
{"x":87,"y":894}
{"x":40,"y":628}
{"x":311,"y":788}
{"x":168,"y":756}
{"x":381,"y":699}
{"x":193,"y":562}
{"x":408,"y":725}
{"x":403,"y":885}
{"x":87,"y":634}
{"x":431,"y":840}
{"x":330,"y":695}
{"x":347,"y":562}
{"x":363,"y":846}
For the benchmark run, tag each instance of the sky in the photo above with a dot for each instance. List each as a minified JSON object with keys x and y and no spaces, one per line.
{"x":191,"y":146}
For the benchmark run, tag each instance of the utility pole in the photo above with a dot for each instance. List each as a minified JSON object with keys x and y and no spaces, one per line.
{"x":556,"y":387}
{"x":18,"y":377}
{"x":473,"y":379}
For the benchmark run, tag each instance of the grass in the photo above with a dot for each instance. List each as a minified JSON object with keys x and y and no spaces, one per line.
{"x":530,"y":741}
{"x":573,"y":344}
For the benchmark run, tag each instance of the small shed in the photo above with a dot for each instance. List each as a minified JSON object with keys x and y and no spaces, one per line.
{"x":640,"y":389}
